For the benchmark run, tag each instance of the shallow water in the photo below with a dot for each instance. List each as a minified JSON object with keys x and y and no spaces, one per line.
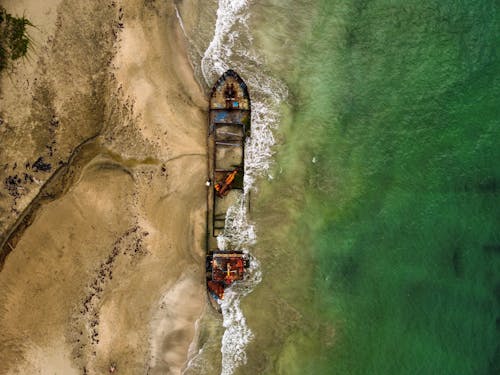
{"x":377,"y":224}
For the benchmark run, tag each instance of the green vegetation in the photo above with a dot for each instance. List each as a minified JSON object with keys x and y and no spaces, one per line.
{"x":14,"y":40}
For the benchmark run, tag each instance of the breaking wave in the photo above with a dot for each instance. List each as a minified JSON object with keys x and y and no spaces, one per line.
{"x":237,"y":334}
{"x":231,"y":48}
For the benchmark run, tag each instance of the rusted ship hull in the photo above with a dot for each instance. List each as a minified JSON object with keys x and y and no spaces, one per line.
{"x":229,"y":126}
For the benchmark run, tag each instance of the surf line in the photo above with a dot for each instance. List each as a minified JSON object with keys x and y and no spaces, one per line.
{"x":181,"y":24}
{"x":216,"y":60}
{"x":231,"y":48}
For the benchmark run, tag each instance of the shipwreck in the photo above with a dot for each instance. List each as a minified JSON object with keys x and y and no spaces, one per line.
{"x":228,"y":128}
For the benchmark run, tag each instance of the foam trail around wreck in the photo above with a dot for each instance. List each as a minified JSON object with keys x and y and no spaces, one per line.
{"x":231,"y":48}
{"x":237,"y":334}
{"x":215,"y":59}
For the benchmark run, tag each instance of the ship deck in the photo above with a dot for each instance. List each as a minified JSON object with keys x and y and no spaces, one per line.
{"x":229,"y":125}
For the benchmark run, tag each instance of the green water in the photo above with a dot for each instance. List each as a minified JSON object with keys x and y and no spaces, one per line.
{"x":379,"y":235}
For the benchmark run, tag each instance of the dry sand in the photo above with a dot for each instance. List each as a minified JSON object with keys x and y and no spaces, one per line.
{"x":110,"y":267}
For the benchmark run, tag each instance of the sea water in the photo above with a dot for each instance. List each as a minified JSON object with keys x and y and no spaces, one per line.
{"x":376,"y":211}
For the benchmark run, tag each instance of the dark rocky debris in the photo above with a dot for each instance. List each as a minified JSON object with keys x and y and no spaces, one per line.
{"x":40,"y":165}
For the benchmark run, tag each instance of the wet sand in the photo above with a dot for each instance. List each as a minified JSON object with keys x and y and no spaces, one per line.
{"x":110,"y":267}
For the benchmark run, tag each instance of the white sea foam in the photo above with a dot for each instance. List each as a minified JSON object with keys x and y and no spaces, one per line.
{"x":181,"y":23}
{"x":238,"y":232}
{"x":237,"y":334}
{"x":231,"y":48}
{"x":216,"y":58}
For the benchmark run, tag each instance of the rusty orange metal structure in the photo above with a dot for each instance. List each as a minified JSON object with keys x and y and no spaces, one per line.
{"x":223,"y":188}
{"x":223,"y":269}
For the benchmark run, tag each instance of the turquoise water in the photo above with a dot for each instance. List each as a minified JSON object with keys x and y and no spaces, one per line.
{"x":379,"y":233}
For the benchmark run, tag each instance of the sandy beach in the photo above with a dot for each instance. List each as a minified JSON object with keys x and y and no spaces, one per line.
{"x":102,"y":201}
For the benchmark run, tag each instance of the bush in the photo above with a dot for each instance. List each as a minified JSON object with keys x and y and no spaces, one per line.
{"x":14,"y":39}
